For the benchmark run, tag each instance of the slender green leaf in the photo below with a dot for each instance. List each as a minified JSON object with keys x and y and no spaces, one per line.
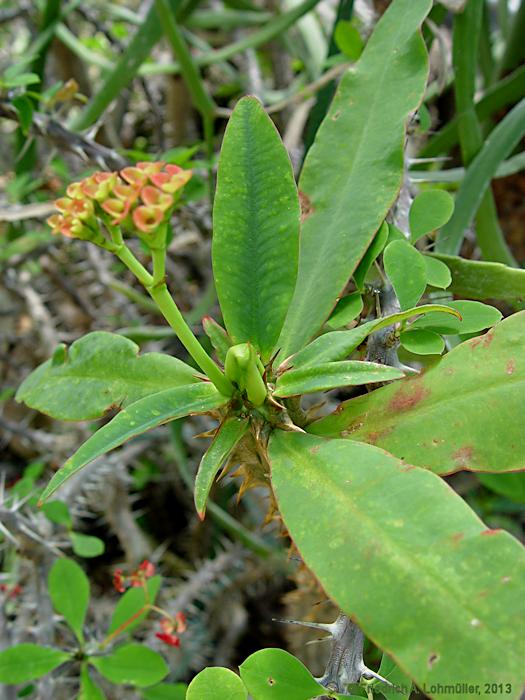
{"x":347,"y":309}
{"x":331,"y":375}
{"x":131,"y":603}
{"x":339,"y":344}
{"x":401,"y":684}
{"x":422,"y":342}
{"x":216,"y":683}
{"x":229,"y":434}
{"x":89,"y":690}
{"x":99,"y":371}
{"x":430,"y":210}
{"x":348,"y":39}
{"x":255,"y":228}
{"x":475,"y":317}
{"x":274,"y":674}
{"x":437,"y":273}
{"x":484,"y":280}
{"x":374,"y":249}
{"x":143,"y":415}
{"x":138,"y":50}
{"x":405,"y":268}
{"x":499,"y":144}
{"x":354,"y":169}
{"x":131,"y":663}
{"x":69,"y":592}
{"x":220,"y":340}
{"x":408,"y":559}
{"x":454,"y":416}
{"x":26,"y":662}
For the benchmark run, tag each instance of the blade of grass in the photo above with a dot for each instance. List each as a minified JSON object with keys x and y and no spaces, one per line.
{"x":498,"y":96}
{"x":514,"y":52}
{"x":503,"y":139}
{"x":466,"y":33}
{"x":137,"y":51}
{"x":508,"y":167}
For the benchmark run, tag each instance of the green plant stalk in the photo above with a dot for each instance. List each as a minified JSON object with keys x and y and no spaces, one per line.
{"x":467,"y":29}
{"x":515,"y":47}
{"x":158,"y":291}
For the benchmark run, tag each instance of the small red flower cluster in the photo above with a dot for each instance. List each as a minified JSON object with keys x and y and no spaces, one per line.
{"x":172,"y":627}
{"x":10,"y":591}
{"x":136,"y":579}
{"x":138,"y":198}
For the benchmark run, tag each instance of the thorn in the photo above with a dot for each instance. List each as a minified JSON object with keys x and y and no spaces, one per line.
{"x":365,"y":671}
{"x":302,"y":623}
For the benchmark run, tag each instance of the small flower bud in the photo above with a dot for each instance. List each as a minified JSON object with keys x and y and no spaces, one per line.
{"x":147,"y":219}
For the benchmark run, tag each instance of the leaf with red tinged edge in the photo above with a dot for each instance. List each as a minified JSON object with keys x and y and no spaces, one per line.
{"x":463,"y":413}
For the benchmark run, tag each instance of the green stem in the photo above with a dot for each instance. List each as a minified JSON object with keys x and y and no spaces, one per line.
{"x":159,"y":266}
{"x":125,"y":255}
{"x":174,"y":317}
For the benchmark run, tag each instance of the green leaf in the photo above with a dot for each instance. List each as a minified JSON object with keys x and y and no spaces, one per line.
{"x":474,"y":279}
{"x":69,"y":592}
{"x":131,"y":663}
{"x":454,"y":415}
{"x":475,"y":317}
{"x":354,"y":169}
{"x":220,"y":340}
{"x":255,"y":228}
{"x":57,"y":512}
{"x":339,"y":344}
{"x":510,"y":485}
{"x":166,"y":691}
{"x":24,"y":109}
{"x":89,"y":690}
{"x":374,"y":249}
{"x":274,"y":674}
{"x":98,"y":372}
{"x":422,"y":342}
{"x":332,"y":375}
{"x":499,"y":144}
{"x":143,"y":415}
{"x":216,"y":683}
{"x":130,"y":603}
{"x":87,"y":546}
{"x":347,"y":309}
{"x":402,"y":684}
{"x":348,"y":39}
{"x":430,"y":210}
{"x":405,"y":268}
{"x":437,"y":273}
{"x":21,"y":80}
{"x":425,"y":580}
{"x":229,"y":434}
{"x":26,"y":662}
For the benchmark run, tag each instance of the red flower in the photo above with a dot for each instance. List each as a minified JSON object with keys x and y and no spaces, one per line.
{"x":148,"y":568}
{"x":171,"y":639}
{"x":147,"y":219}
{"x":118,"y":581}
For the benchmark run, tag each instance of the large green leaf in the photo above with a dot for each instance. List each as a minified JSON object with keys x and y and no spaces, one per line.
{"x":400,"y":551}
{"x":464,"y":413}
{"x":69,"y":592}
{"x":474,"y":279}
{"x":255,"y":228}
{"x":307,"y":380}
{"x":216,"y":683}
{"x":229,"y":434}
{"x":143,"y":415}
{"x":339,"y":344}
{"x":131,"y":663}
{"x":26,"y":662}
{"x":354,"y":169}
{"x":99,"y":371}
